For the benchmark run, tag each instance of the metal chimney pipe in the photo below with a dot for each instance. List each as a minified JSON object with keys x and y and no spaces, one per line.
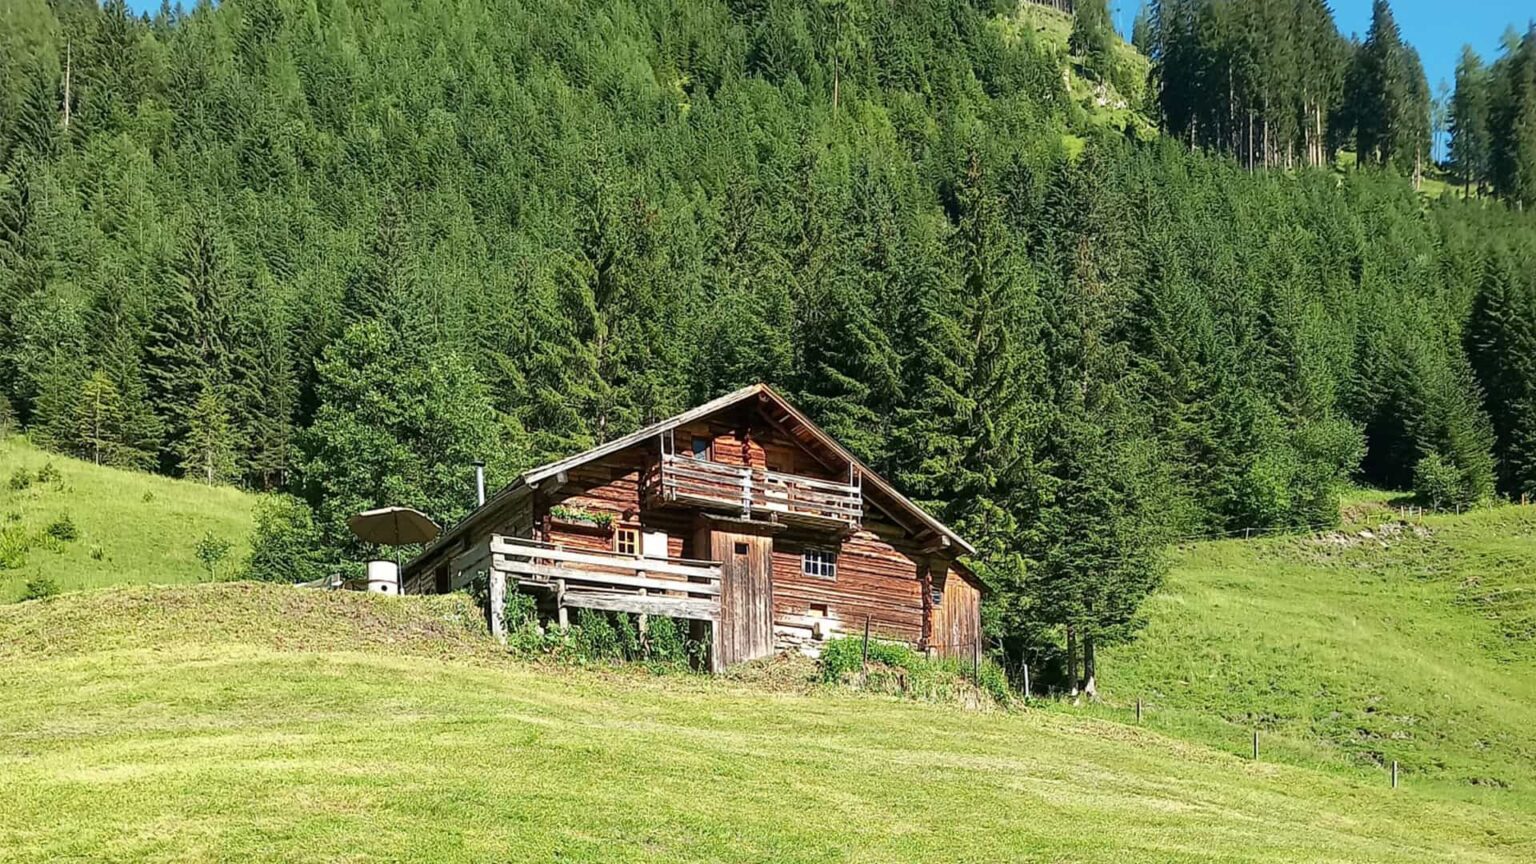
{"x":479,"y":483}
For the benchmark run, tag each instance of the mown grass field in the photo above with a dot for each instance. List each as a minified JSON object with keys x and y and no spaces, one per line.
{"x":241,"y":722}
{"x":1348,"y":651}
{"x":132,"y":528}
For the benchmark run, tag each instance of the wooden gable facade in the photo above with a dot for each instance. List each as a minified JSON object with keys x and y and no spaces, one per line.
{"x":740,"y":515}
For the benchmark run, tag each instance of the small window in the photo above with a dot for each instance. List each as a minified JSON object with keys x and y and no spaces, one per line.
{"x":626,"y":541}
{"x":741,"y":548}
{"x":938,"y":597}
{"x":820,"y":563}
{"x":701,"y":448}
{"x":818,"y":610}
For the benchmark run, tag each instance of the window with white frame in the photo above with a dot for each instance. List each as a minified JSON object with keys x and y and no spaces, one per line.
{"x":820,"y":563}
{"x":626,"y":541}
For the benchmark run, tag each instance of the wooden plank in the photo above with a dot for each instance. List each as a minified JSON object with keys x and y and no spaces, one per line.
{"x":671,"y":559}
{"x":620,"y":562}
{"x":811,"y":483}
{"x":667,"y":607}
{"x":571,"y":574}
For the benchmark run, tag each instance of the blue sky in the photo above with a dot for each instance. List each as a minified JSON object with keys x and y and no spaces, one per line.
{"x":1438,"y":29}
{"x":1435,"y":31}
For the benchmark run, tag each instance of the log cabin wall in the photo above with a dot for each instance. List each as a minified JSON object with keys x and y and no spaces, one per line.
{"x":876,"y":577}
{"x":745,"y":438}
{"x":957,"y":618}
{"x":611,"y":486}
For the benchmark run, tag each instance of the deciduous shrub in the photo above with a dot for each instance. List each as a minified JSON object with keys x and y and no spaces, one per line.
{"x":286,"y":544}
{"x":212,"y":551}
{"x":595,"y":637}
{"x":845,"y":656}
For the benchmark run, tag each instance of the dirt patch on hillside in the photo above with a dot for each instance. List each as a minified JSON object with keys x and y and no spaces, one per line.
{"x":1383,"y":535}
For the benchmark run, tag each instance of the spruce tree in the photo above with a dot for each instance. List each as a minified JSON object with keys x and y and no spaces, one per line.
{"x":207,"y":451}
{"x":190,"y":347}
{"x":99,"y":434}
{"x":1093,"y":37}
{"x":1141,"y":31}
{"x":1390,"y":99}
{"x":1469,"y":122}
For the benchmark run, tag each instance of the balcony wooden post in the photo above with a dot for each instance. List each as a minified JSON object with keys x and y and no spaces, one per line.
{"x":498,"y":602}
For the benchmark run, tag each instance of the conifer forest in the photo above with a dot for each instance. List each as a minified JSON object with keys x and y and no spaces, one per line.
{"x":338,"y":250}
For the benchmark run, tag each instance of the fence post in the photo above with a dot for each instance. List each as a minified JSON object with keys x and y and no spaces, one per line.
{"x":1255,"y":745}
{"x":1394,"y":773}
{"x":1138,"y":710}
{"x":1026,"y":681}
{"x":865,"y":660}
{"x":976,"y":662}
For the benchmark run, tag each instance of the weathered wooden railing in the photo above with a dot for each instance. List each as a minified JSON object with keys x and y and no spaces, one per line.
{"x":608,"y":581}
{"x":701,"y":482}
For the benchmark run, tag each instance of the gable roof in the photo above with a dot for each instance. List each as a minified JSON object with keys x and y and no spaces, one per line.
{"x":898,"y":506}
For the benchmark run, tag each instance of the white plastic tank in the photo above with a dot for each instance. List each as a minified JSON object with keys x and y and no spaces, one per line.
{"x":383,"y":577}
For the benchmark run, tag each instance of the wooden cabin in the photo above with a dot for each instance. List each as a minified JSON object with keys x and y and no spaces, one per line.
{"x":741,"y":516}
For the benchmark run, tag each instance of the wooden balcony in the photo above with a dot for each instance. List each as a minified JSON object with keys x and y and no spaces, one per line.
{"x":608,"y":581}
{"x":748,"y":492}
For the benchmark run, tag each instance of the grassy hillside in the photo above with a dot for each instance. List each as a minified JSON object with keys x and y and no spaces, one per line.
{"x":128,"y":527}
{"x":1103,"y":103}
{"x":1353,"y":649}
{"x":267,"y":722}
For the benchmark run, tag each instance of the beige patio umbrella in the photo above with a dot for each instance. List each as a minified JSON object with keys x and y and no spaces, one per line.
{"x":393,"y":526}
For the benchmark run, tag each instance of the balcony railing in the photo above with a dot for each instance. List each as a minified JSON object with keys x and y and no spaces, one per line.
{"x":586,"y":579}
{"x":751,"y":491}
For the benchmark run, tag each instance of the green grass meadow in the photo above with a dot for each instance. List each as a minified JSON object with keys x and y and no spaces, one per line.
{"x":131,"y":527}
{"x":244,"y":722}
{"x":1349,"y":651}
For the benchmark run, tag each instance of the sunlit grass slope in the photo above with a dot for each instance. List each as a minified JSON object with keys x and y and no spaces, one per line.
{"x":240,"y":722}
{"x":1353,"y":649}
{"x":130,"y":527}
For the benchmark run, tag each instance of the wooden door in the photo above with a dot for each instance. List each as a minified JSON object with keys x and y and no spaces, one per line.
{"x":745,"y":631}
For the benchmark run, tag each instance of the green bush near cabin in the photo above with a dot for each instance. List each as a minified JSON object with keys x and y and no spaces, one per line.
{"x":897,"y":668}
{"x":286,"y":542}
{"x":594,"y":637}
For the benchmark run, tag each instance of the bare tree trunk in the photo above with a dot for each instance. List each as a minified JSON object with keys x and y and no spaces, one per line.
{"x":1072,"y":660}
{"x":68,"y":56}
{"x":1090,"y":676}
